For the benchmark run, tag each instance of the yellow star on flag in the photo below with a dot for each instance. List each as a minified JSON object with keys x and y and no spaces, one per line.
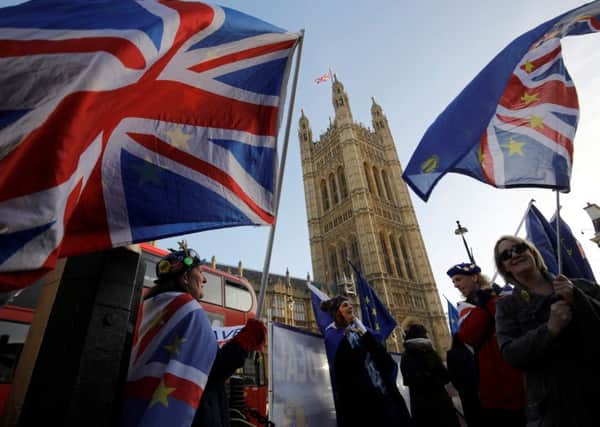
{"x":158,"y":320}
{"x":161,"y":393}
{"x":529,"y":66}
{"x":374,"y":312}
{"x":536,"y":121}
{"x":176,"y":346}
{"x":528,"y":98}
{"x":178,"y":138}
{"x":514,"y":147}
{"x":481,"y":155}
{"x":148,"y":173}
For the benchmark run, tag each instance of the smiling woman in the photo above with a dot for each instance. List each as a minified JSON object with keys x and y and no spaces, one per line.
{"x":548,"y":327}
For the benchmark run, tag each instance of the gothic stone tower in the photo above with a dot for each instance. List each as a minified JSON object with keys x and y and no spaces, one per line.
{"x":359,"y":209}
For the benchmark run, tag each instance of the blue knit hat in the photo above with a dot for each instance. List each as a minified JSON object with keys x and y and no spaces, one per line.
{"x":465,"y":268}
{"x":177,"y":261}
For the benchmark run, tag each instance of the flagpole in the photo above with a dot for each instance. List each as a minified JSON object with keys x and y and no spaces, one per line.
{"x":558,"y":245}
{"x":532,"y":201}
{"x":265,"y":274}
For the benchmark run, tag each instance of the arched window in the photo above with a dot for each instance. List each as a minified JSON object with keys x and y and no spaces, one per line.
{"x":384,"y":252}
{"x":386,"y":185}
{"x":377,"y":182}
{"x":395,"y":255}
{"x":407,"y":260}
{"x":354,"y":253}
{"x":333,"y":264}
{"x":368,"y":178}
{"x":333,"y":187}
{"x":344,"y":259}
{"x":342,"y":182}
{"x":324,"y":195}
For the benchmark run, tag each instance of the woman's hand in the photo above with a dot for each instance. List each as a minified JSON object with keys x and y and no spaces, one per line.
{"x":563,"y":287}
{"x":560,"y":317}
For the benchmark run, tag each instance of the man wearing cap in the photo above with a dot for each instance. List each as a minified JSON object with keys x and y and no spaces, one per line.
{"x":501,"y":388}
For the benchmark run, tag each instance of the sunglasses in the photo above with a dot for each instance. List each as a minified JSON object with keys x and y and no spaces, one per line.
{"x":517,"y":249}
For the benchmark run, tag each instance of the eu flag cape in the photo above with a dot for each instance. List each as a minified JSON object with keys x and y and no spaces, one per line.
{"x":514,"y":124}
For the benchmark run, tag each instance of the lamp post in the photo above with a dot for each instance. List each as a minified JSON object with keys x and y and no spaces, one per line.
{"x":593,"y":210}
{"x":460,"y":231}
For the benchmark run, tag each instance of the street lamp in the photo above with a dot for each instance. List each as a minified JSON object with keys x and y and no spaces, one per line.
{"x":460,"y":231}
{"x":593,"y":210}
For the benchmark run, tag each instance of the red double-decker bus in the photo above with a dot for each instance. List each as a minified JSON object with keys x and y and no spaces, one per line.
{"x":228,"y":301}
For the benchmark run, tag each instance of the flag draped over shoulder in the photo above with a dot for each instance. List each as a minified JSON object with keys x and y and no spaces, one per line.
{"x":125,"y":121}
{"x":452,"y":317}
{"x":170,"y":362}
{"x":543,"y":235}
{"x":514,"y":124}
{"x":375,"y":314}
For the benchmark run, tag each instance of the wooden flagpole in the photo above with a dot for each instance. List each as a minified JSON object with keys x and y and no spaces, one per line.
{"x":265,"y":274}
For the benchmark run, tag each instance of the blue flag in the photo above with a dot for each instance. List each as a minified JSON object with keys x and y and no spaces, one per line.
{"x":452,"y":317}
{"x":514,"y":124}
{"x":375,"y":315}
{"x":543,"y":235}
{"x":573,"y":257}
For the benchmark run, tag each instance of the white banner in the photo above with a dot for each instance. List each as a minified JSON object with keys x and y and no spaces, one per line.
{"x":225,"y":333}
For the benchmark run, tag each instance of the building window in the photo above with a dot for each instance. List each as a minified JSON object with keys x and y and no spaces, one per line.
{"x":395,"y":255}
{"x":377,"y":182}
{"x":342,"y":182}
{"x":355,"y":254}
{"x":333,"y":263}
{"x":334,"y":194}
{"x":299,"y":311}
{"x":324,"y":195}
{"x":368,"y":178}
{"x":344,"y":259}
{"x":384,"y":252}
{"x":386,"y":185}
{"x":279,"y":306}
{"x":407,"y":261}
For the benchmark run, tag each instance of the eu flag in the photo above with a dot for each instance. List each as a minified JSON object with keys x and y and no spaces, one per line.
{"x":452,"y":317}
{"x":375,"y":315}
{"x":543,"y":235}
{"x":514,"y":124}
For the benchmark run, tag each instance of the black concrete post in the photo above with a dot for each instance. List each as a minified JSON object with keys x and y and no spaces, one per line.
{"x":82,"y":363}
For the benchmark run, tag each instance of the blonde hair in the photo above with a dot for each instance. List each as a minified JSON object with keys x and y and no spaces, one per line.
{"x":508,"y":277}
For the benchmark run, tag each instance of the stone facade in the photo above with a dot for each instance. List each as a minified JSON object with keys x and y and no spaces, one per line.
{"x":358,"y":208}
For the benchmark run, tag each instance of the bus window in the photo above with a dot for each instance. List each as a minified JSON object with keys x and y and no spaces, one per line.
{"x":150,"y":274}
{"x":12,"y":339}
{"x":237,"y":296}
{"x":212,"y":289}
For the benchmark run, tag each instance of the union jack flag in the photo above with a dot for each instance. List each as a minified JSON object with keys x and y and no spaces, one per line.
{"x":323,"y":78}
{"x":125,"y":121}
{"x":514,"y":124}
{"x":170,"y":362}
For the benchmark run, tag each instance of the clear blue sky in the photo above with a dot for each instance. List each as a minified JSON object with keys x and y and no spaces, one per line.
{"x":414,"y":58}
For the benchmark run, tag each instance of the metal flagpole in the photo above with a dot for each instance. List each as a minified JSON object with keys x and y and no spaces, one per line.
{"x":270,"y":366}
{"x":265,"y":274}
{"x":532,"y":201}
{"x":558,"y":245}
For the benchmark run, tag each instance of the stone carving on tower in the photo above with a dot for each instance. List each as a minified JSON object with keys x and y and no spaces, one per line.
{"x":358,"y":208}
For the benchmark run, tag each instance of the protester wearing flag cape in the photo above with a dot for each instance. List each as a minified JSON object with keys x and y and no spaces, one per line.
{"x":548,"y":327}
{"x":176,"y":374}
{"x":363,"y":374}
{"x":501,"y":391}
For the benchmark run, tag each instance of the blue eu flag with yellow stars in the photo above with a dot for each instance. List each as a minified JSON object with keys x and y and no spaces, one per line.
{"x":375,"y":314}
{"x":452,"y":317}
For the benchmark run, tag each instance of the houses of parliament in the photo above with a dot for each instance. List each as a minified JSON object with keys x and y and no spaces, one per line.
{"x":358,"y":209}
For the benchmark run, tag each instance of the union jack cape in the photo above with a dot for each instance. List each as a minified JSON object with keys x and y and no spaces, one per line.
{"x":514,"y":124}
{"x":125,"y":121}
{"x":170,"y":362}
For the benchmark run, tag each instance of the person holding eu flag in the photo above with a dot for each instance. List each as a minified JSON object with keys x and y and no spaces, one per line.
{"x":363,"y":374}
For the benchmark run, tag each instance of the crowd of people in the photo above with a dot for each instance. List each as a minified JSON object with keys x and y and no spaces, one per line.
{"x":524,"y":357}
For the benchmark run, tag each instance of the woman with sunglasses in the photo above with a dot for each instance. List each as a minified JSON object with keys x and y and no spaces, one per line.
{"x":549,"y":327}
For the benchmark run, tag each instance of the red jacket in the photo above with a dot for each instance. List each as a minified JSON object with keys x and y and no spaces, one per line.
{"x":500,"y":385}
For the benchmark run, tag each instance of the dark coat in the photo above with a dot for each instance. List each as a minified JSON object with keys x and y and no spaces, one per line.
{"x":462,"y":369}
{"x":214,"y":406}
{"x":358,"y":402}
{"x":562,"y":377}
{"x":425,"y":375}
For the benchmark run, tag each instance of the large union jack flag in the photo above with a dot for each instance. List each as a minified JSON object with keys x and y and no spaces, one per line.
{"x":170,"y":362}
{"x":514,"y":124}
{"x":125,"y":121}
